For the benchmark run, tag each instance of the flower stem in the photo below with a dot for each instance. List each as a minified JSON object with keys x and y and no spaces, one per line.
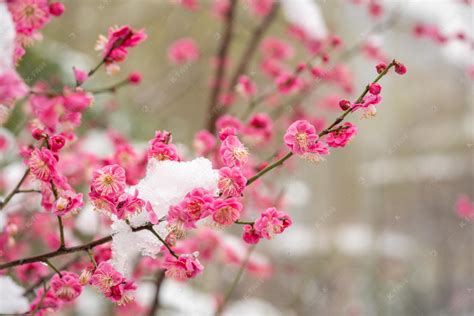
{"x":236,"y":281}
{"x":15,"y":190}
{"x":268,"y":168}
{"x":52,"y":267}
{"x":61,"y":233}
{"x":91,"y":257}
{"x":163,"y":242}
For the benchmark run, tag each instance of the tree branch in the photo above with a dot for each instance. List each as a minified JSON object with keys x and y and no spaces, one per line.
{"x":220,"y":70}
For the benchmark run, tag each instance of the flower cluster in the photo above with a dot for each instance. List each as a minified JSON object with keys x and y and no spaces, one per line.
{"x":107,"y":193}
{"x":111,"y":283}
{"x":302,"y":140}
{"x":270,"y":223}
{"x":115,"y":47}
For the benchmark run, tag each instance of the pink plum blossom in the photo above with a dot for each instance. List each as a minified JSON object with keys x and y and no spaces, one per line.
{"x":233,"y":152}
{"x":183,"y":50}
{"x":42,"y":163}
{"x":67,"y":286}
{"x":300,"y":136}
{"x":109,"y":180}
{"x":272,"y":222}
{"x":231,"y":181}
{"x":342,"y":136}
{"x":187,"y":266}
{"x":226,"y":212}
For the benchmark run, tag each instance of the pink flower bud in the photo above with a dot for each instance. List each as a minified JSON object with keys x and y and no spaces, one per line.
{"x":135,"y":78}
{"x":335,"y":41}
{"x":79,"y":75}
{"x":38,"y":134}
{"x":381,"y":67}
{"x":317,"y":72}
{"x":56,"y":8}
{"x":57,"y":142}
{"x":344,"y":105}
{"x":300,"y":67}
{"x":400,"y":68}
{"x":375,"y":88}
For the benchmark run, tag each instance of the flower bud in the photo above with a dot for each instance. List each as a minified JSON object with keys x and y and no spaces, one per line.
{"x":135,"y":78}
{"x":300,"y":67}
{"x":381,"y":67}
{"x":400,"y":68}
{"x":375,"y":88}
{"x":57,"y":142}
{"x":56,"y":8}
{"x":38,"y":134}
{"x":344,"y":105}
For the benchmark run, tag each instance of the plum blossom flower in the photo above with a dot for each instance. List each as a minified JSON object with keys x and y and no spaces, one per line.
{"x":203,"y":143}
{"x":122,"y":293}
{"x":342,"y":136}
{"x":195,"y":206}
{"x":184,"y":267}
{"x":250,"y":235}
{"x":228,"y":121}
{"x":29,"y":15}
{"x":464,"y":207}
{"x":272,"y":222}
{"x":161,"y":152}
{"x":76,"y":100}
{"x":300,"y":136}
{"x":128,"y":204}
{"x":316,"y":151}
{"x":276,"y":49}
{"x":68,"y":202}
{"x":12,"y":87}
{"x":42,"y":163}
{"x":259,"y":128}
{"x":183,"y":50}
{"x":246,"y":87}
{"x":163,"y":137}
{"x":67,"y":286}
{"x":109,"y":180}
{"x":231,"y":181}
{"x":227,"y":131}
{"x":115,"y":47}
{"x":233,"y":152}
{"x":226,"y":212}
{"x":288,"y":83}
{"x":105,"y":277}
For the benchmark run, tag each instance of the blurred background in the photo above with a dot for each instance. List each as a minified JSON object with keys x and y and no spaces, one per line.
{"x":375,"y":229}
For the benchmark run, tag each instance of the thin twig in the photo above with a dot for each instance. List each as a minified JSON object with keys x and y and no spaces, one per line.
{"x":235,"y":282}
{"x":15,"y":190}
{"x":220,"y":69}
{"x":252,"y":46}
{"x":163,"y":242}
{"x":52,"y":267}
{"x":156,"y":301}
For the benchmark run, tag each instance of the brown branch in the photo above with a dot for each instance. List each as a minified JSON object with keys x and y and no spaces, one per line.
{"x":65,"y":250}
{"x":15,"y":190}
{"x":156,"y":301}
{"x":31,"y":289}
{"x":253,"y":45}
{"x":236,"y":281}
{"x":220,"y":70}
